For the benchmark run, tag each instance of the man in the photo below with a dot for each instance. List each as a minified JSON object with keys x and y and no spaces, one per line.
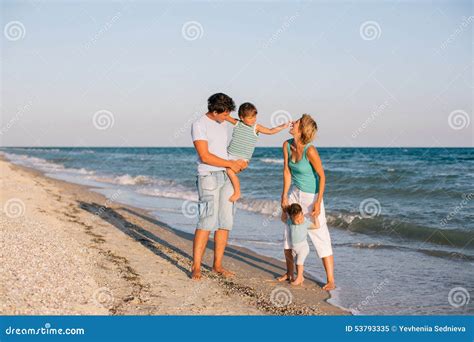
{"x":216,"y":212}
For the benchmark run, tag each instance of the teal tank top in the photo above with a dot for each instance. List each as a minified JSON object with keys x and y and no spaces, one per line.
{"x":303,"y":176}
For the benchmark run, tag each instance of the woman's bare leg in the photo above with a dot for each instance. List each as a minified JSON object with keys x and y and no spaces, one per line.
{"x":328,"y":263}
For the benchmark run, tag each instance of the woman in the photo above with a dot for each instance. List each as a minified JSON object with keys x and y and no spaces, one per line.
{"x":303,"y":183}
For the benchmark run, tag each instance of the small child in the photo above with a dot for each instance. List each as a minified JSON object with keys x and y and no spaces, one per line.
{"x":299,"y":225}
{"x":244,"y":139}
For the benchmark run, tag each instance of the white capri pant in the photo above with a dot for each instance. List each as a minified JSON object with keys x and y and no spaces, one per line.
{"x":300,"y":252}
{"x":319,"y":237}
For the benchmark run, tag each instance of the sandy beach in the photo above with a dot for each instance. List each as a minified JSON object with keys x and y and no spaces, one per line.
{"x":69,"y":250}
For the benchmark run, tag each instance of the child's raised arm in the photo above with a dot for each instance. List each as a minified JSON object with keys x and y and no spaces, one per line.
{"x":274,"y":130}
{"x":231,"y":120}
{"x":314,"y":223}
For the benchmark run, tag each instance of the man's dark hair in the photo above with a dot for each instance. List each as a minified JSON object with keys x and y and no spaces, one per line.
{"x":247,"y":109}
{"x":220,"y":103}
{"x":294,"y":209}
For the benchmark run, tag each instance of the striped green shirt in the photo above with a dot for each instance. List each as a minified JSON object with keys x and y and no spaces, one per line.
{"x":244,"y":139}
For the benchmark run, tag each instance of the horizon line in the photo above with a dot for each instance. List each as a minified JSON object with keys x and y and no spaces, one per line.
{"x":64,"y":146}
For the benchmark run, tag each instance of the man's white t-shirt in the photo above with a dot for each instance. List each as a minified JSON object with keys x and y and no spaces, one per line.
{"x":215,"y":134}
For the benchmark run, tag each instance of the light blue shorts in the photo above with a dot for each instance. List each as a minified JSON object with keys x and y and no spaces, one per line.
{"x":215,"y":209}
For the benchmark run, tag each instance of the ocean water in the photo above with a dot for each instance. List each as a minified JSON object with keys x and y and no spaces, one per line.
{"x":401,"y":219}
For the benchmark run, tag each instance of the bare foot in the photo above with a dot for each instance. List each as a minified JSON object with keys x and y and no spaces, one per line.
{"x":329,"y":286}
{"x":223,"y":272}
{"x":235,"y":196}
{"x":196,"y":274}
{"x":297,"y":281}
{"x":284,"y":277}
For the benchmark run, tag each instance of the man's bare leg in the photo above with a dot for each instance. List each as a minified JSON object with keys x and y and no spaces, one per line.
{"x":328,"y":263}
{"x":220,"y":242}
{"x":234,"y":179}
{"x":199,"y":247}
{"x":290,"y":266}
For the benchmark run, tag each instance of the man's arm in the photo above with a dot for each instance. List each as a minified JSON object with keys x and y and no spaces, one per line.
{"x":231,"y":120}
{"x":211,"y":159}
{"x":274,"y":130}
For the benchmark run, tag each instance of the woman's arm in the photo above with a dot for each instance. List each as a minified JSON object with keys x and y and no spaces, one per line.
{"x":286,"y":177}
{"x":270,"y":131}
{"x":313,"y":157}
{"x":284,"y":216}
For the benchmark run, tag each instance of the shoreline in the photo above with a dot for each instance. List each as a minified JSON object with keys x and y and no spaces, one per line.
{"x":107,"y":232}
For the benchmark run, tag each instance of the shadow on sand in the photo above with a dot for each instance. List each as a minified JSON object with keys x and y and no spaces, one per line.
{"x":149,"y":239}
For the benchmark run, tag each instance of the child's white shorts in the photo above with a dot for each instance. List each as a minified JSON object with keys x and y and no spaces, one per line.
{"x":300,"y":252}
{"x":319,"y":237}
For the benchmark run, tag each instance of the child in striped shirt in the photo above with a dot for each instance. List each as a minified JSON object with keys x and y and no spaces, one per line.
{"x":244,"y":139}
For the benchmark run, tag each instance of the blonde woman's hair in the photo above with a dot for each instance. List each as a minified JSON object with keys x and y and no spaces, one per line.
{"x":308,"y":128}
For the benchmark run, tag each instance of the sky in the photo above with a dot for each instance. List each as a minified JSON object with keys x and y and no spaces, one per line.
{"x":137,"y":73}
